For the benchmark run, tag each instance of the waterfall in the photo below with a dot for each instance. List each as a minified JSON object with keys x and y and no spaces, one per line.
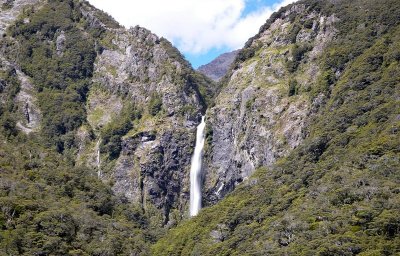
{"x":195,"y":170}
{"x":98,"y":158}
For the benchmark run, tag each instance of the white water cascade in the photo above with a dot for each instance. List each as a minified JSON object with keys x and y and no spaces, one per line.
{"x":98,"y":158}
{"x":195,"y":170}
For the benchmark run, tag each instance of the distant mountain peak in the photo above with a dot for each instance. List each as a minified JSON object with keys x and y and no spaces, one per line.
{"x":217,"y":68}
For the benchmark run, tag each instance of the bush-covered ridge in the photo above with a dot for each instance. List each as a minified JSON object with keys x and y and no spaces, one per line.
{"x":60,"y":71}
{"x":48,"y":205}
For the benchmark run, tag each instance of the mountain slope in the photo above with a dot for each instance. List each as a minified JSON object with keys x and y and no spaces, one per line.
{"x":279,"y":83}
{"x":96,"y":129}
{"x":336,"y":192}
{"x":217,"y":68}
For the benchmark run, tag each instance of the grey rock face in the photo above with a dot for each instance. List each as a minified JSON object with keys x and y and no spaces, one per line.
{"x":29,"y":114}
{"x":220,"y":233}
{"x":152,"y":169}
{"x":60,"y":43}
{"x":27,"y":102}
{"x":254,"y":121}
{"x":140,"y":66}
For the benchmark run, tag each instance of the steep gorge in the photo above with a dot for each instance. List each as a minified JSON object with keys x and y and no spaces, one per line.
{"x":305,"y":133}
{"x":301,"y":143}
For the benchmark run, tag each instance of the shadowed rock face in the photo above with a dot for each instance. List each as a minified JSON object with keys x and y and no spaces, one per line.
{"x":217,"y":68}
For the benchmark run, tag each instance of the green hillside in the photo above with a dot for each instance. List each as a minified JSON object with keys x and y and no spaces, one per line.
{"x":48,"y":204}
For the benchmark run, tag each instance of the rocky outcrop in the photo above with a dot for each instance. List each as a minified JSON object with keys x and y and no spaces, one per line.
{"x":217,"y":68}
{"x":60,"y":43}
{"x":260,"y":116}
{"x":154,"y":170}
{"x":27,"y":112}
{"x":10,"y":11}
{"x":28,"y":106}
{"x":138,"y":64}
{"x":135,"y":67}
{"x":26,"y":101}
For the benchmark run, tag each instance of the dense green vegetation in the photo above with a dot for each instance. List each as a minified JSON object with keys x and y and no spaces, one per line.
{"x":9,"y":87}
{"x":48,"y":205}
{"x":62,"y":75}
{"x":338,"y":193}
{"x":155,"y":104}
{"x":298,"y":52}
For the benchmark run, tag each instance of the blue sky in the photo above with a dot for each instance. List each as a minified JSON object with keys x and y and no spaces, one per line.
{"x":203,"y":58}
{"x":200,"y":29}
{"x":251,"y":6}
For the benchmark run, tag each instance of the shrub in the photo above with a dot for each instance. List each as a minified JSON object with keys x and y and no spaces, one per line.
{"x":293,"y":33}
{"x":112,"y":134}
{"x":155,"y":104}
{"x":293,"y":89}
{"x":298,"y":52}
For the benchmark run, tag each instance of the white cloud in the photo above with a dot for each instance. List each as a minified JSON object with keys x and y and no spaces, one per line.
{"x":194,"y":26}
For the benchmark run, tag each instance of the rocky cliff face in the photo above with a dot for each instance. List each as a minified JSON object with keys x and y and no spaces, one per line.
{"x":142,"y":105}
{"x":260,"y":116}
{"x":97,"y":128}
{"x":217,"y":68}
{"x":152,"y":169}
{"x":144,"y":102}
